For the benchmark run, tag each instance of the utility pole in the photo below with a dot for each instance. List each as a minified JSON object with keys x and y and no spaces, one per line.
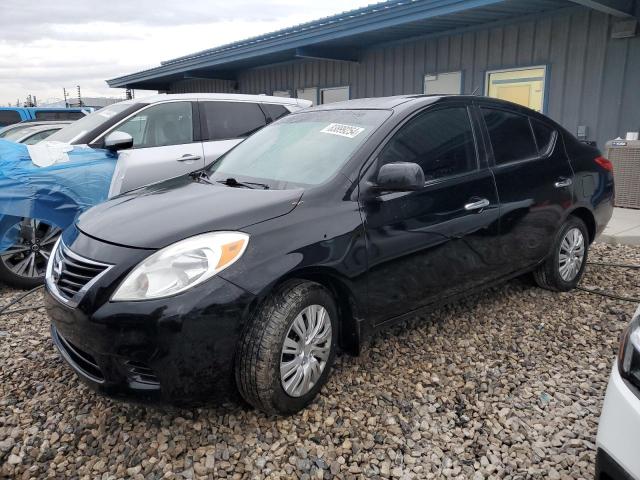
{"x":66,"y":103}
{"x":80,"y":104}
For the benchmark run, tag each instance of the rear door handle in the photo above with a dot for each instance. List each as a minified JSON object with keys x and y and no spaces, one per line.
{"x":189,"y":158}
{"x":563,"y":182}
{"x":477,"y":205}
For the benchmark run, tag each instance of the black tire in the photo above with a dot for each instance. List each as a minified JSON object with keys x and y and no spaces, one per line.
{"x":257,"y":367}
{"x":547,"y":275}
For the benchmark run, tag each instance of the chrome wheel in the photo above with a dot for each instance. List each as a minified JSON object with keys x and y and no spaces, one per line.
{"x":572,"y":250}
{"x":29,"y":255}
{"x":305,"y":351}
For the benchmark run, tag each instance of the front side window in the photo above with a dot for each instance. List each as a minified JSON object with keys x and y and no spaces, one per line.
{"x":226,"y":120}
{"x":161,"y":125}
{"x":440,"y":141}
{"x":511,"y":136}
{"x":300,"y":149}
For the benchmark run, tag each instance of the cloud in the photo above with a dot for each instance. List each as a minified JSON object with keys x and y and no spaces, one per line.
{"x":50,"y":45}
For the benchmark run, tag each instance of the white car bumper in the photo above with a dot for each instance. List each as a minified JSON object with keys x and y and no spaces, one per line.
{"x":618,"y":444}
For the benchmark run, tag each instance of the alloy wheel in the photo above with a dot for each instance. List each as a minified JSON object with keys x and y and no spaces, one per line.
{"x":28,"y":257}
{"x":572,"y":250}
{"x":305,"y":350}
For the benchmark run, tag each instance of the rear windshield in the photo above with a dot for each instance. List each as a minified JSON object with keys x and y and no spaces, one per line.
{"x":88,"y":123}
{"x":301,"y":149}
{"x":58,"y":114}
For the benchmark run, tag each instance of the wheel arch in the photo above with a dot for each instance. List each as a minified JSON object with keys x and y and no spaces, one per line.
{"x":350,"y":337}
{"x":589,"y":219}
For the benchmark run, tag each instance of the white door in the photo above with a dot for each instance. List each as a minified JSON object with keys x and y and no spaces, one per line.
{"x":443,"y":84}
{"x":332,"y":95}
{"x":163,"y":146}
{"x":310,"y":94}
{"x":225,"y":124}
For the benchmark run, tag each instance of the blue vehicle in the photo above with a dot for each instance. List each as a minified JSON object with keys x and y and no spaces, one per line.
{"x":11,"y":115}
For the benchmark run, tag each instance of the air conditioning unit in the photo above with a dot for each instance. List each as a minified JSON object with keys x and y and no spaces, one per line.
{"x":625,"y":156}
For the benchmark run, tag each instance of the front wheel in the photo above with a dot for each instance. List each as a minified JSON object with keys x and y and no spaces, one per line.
{"x":564,"y":268}
{"x":24,"y":263}
{"x":287,"y":350}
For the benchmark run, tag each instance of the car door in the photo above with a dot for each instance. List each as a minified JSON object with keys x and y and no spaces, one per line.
{"x":225,"y":124}
{"x":165,"y":145}
{"x":427,"y":245}
{"x":534,"y":180}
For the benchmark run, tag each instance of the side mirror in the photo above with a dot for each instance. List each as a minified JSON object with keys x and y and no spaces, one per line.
{"x":400,"y":177}
{"x":118,"y":141}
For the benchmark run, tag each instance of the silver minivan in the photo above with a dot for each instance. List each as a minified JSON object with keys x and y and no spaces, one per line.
{"x":157,"y":138}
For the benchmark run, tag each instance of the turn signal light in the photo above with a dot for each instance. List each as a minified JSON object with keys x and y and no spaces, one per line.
{"x":604,"y":163}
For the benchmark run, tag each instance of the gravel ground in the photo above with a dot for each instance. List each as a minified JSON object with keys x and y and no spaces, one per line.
{"x":507,"y":384}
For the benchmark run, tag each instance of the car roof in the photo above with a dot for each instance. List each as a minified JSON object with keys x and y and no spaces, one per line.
{"x":229,"y":97}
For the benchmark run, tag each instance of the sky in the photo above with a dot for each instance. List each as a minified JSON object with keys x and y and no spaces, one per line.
{"x":49,"y":45}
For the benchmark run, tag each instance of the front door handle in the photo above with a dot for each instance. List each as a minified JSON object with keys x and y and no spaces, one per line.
{"x":189,"y":158}
{"x":563,"y":182}
{"x":477,"y":205}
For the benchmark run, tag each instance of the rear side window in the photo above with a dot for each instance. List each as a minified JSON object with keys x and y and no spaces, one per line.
{"x":274,"y":112}
{"x":440,"y":141}
{"x":543,"y":134}
{"x":511,"y":136}
{"x":226,"y":120}
{"x":9,"y":117}
{"x":58,"y":115}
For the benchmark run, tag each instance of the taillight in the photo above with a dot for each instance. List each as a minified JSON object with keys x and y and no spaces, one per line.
{"x":604,"y":163}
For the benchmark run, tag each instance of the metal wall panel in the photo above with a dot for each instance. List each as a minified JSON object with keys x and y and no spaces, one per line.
{"x":593,"y":80}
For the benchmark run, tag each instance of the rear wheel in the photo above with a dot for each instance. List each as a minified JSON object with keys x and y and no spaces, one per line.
{"x":286,"y":353}
{"x":564,"y":268}
{"x":24,"y":264}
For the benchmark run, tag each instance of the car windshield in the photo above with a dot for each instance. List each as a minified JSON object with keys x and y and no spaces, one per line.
{"x":11,"y":130}
{"x":18,"y":133}
{"x":80,"y":127}
{"x":301,"y":149}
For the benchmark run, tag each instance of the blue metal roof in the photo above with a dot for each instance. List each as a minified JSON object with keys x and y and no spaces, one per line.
{"x":349,"y":32}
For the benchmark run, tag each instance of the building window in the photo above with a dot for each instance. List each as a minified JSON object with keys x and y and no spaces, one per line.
{"x":443,"y":83}
{"x":524,"y":86}
{"x":334,"y":94}
{"x":308,"y":94}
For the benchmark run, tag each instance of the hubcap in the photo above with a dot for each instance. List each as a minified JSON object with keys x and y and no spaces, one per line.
{"x":571,"y":254}
{"x":305,"y":351}
{"x":28,"y":257}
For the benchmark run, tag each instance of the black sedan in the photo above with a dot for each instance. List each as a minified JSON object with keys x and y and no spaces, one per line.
{"x":313,"y":234}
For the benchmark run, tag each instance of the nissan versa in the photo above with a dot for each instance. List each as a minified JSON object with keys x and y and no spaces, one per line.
{"x":311,"y":235}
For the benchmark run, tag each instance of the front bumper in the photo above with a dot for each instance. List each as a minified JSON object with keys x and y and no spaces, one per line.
{"x":178,"y":349}
{"x":618,"y":453}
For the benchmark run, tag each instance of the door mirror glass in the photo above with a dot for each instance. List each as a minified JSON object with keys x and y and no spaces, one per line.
{"x":400,"y":177}
{"x":118,"y":141}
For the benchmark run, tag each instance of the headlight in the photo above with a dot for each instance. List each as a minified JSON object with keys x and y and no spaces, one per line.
{"x":629,"y":354}
{"x":182,"y":265}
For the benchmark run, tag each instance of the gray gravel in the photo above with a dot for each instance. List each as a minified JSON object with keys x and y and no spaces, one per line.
{"x":507,"y":384}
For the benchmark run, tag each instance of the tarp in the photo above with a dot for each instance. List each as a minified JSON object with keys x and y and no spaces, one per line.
{"x":55,"y":194}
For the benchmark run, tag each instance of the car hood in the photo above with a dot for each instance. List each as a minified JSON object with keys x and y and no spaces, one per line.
{"x":158,"y":215}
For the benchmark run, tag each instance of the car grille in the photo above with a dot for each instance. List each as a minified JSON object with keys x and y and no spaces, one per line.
{"x":78,"y":358}
{"x":141,"y":372}
{"x":71,"y":273}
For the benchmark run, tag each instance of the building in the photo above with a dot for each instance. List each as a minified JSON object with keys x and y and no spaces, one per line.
{"x":578,"y":61}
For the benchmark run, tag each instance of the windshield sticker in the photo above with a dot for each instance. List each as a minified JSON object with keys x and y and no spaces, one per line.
{"x":348,"y":131}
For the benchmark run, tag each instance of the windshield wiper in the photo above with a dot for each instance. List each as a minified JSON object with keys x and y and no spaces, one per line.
{"x":232,"y":182}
